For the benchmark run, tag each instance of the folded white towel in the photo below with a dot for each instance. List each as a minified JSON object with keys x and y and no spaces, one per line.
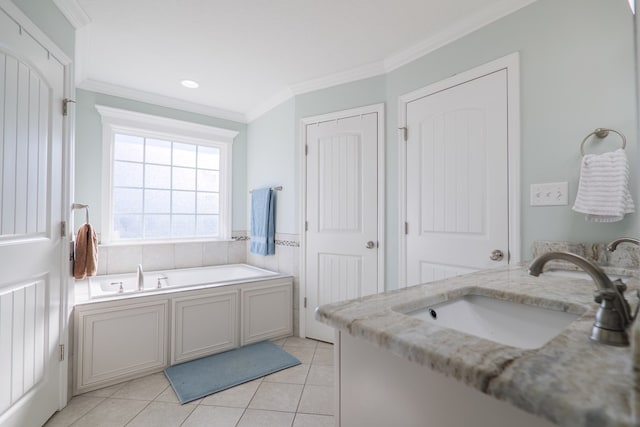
{"x":603,"y":192}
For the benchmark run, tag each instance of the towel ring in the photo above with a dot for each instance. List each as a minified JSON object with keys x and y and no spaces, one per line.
{"x":81,"y":206}
{"x":602,"y":133}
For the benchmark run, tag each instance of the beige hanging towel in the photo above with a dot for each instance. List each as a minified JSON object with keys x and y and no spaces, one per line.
{"x":86,"y":253}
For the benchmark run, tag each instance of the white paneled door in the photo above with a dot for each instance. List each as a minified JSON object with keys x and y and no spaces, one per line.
{"x":457,"y":178}
{"x":342,"y":203}
{"x":31,"y":159}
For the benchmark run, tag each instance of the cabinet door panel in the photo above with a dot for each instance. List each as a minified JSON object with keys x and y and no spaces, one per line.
{"x":267,"y":313}
{"x":204,"y":325}
{"x":119,"y":343}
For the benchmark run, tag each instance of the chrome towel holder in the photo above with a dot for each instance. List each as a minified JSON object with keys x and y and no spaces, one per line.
{"x":76,"y":206}
{"x":602,"y":133}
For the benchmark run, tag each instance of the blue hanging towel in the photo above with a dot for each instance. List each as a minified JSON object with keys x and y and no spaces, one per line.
{"x":263,"y":222}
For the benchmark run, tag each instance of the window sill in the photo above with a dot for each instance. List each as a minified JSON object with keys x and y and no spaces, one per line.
{"x":162,"y":242}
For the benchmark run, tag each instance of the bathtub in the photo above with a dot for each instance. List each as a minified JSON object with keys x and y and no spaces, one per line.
{"x":122,"y":333}
{"x":125,"y":285}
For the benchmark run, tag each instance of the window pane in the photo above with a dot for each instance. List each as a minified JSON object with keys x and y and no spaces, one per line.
{"x":184,"y":155}
{"x":126,"y":174}
{"x":184,"y":202}
{"x":184,"y":179}
{"x":128,"y":226}
{"x":127,"y":147}
{"x":157,"y":226}
{"x":158,"y":151}
{"x":157,"y":201}
{"x":157,"y":176}
{"x":207,"y":225}
{"x":208,"y":180}
{"x":127,"y":200}
{"x":208,"y":203}
{"x":208,"y":157}
{"x":183,"y":225}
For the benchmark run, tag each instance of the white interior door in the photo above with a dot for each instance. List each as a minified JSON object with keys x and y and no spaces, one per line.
{"x":31,"y":150}
{"x":342,"y":241}
{"x":457,"y":180}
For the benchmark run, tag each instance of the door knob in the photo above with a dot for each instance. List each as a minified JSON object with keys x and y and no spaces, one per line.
{"x":496,"y":255}
{"x":370,"y":245}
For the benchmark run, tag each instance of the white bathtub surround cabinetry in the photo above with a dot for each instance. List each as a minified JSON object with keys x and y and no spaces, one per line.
{"x":121,"y":339}
{"x":203,"y":324}
{"x":392,"y":366}
{"x":117,"y":342}
{"x":286,"y":261}
{"x":266,"y":313}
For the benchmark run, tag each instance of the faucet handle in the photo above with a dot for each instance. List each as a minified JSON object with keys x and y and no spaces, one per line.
{"x":620,"y":285}
{"x":604,"y":294}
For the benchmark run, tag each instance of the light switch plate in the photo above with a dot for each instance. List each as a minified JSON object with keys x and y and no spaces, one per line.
{"x":549,"y":194}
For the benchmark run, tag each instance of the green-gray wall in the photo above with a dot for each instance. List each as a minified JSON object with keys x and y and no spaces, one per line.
{"x":51,"y":21}
{"x":577,"y":73}
{"x":272,"y":161}
{"x":89,"y":151}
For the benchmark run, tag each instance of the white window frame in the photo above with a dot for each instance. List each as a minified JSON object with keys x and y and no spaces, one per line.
{"x":118,"y":121}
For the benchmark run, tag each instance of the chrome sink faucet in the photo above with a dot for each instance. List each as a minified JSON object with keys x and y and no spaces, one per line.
{"x":140,"y":278}
{"x":614,"y":245}
{"x":614,"y":315}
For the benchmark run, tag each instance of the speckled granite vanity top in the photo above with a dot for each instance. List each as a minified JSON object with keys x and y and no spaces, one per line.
{"x":570,"y":380}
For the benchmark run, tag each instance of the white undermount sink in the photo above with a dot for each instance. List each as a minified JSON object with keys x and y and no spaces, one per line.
{"x":504,"y":322}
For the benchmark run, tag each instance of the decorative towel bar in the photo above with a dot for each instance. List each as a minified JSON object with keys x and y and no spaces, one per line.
{"x":278,"y":188}
{"x":602,"y":133}
{"x":76,"y":206}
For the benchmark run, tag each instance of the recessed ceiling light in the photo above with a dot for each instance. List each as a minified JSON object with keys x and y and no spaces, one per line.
{"x":190,"y":84}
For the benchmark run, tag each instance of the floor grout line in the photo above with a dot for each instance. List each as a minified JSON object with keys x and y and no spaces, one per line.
{"x":313,"y":362}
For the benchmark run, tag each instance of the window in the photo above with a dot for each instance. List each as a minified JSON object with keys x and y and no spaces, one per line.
{"x":164,"y":179}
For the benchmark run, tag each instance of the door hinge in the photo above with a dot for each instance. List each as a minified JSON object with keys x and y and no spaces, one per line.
{"x":61,"y":352}
{"x":63,"y":228}
{"x":406,"y":228}
{"x":305,"y":302}
{"x":405,"y":133}
{"x":65,"y":106}
{"x":306,"y":226}
{"x":306,"y":150}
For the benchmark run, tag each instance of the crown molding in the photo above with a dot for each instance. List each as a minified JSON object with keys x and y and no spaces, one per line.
{"x":455,"y":32}
{"x":355,"y":74}
{"x":269,"y":104}
{"x":74,"y":13}
{"x":348,"y":76}
{"x":161,"y":100}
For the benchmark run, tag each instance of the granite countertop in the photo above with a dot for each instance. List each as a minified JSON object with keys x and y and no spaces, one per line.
{"x":571,"y":380}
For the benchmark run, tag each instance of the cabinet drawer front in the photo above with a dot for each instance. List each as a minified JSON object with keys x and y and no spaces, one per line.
{"x":267,"y":312}
{"x":204,"y":325}
{"x":120,"y":343}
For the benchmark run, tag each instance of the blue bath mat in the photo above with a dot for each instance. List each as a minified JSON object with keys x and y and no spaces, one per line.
{"x":202,"y":377}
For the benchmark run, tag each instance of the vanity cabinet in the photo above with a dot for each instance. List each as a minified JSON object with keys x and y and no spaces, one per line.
{"x":125,"y":338}
{"x":366,"y":376}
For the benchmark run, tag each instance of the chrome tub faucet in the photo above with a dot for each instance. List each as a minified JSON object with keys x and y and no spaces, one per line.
{"x":140,"y":278}
{"x":614,"y":314}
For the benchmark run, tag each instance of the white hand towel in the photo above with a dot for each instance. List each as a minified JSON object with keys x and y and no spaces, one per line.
{"x":603,"y":192}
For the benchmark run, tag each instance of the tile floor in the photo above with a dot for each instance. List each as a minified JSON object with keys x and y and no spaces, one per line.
{"x":301,"y":396}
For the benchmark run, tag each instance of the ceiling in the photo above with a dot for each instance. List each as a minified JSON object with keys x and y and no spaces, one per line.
{"x":250,"y":55}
